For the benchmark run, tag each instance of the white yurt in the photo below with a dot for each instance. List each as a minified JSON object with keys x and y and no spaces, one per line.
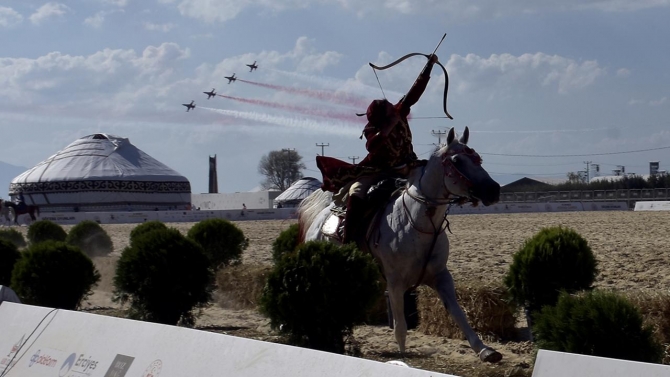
{"x":102,"y":172}
{"x":299,"y":190}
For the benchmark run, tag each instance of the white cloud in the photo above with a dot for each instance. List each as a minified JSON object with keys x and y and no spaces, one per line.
{"x":452,"y":10}
{"x":656,"y":102}
{"x":48,"y":10}
{"x":91,"y":81}
{"x":224,"y":10}
{"x":9,"y":17}
{"x":525,"y":71}
{"x":159,"y":27}
{"x":96,"y":20}
{"x":118,"y":3}
{"x":623,"y":72}
{"x":469,"y":9}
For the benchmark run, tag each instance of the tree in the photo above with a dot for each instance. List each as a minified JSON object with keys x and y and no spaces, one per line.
{"x":281,"y":169}
{"x":575,"y":177}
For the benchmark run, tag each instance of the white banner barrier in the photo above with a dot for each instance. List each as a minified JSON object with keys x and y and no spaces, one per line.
{"x":71,"y":218}
{"x":605,"y":206}
{"x":561,"y":207}
{"x":652,"y":206}
{"x":559,"y":364}
{"x":40,"y":342}
{"x":540,"y":207}
{"x":166,"y":216}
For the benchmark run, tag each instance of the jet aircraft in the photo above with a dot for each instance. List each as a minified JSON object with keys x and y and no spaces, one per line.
{"x":210,"y":94}
{"x":252,"y":66}
{"x":231,"y":78}
{"x":189,"y":106}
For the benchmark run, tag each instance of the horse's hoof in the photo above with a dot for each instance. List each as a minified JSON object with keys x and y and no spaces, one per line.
{"x":490,"y":355}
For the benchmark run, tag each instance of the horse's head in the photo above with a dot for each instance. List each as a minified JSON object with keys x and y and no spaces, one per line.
{"x":464,"y":175}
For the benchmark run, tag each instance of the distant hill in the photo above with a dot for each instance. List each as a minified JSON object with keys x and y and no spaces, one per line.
{"x":7,"y":173}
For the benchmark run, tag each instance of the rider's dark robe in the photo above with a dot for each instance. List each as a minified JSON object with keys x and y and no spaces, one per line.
{"x":389,"y":141}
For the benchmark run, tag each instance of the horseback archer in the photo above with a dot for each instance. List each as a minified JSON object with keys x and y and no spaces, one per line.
{"x":389,"y":145}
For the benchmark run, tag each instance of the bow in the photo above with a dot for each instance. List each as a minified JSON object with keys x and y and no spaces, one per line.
{"x":427,"y":56}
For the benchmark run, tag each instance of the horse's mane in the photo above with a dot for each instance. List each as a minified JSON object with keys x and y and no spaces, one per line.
{"x":309,"y":208}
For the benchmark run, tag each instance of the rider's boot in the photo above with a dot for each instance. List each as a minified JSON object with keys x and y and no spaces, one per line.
{"x":353,"y":220}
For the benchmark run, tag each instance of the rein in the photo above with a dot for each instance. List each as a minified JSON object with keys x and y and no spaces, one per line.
{"x":431,"y":206}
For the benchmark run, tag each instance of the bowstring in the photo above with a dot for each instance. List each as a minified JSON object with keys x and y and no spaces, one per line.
{"x":379,"y":82}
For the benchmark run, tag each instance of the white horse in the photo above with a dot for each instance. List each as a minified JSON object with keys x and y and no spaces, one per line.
{"x":410,"y":241}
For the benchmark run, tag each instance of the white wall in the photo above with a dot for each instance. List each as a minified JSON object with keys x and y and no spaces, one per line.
{"x":253,"y":200}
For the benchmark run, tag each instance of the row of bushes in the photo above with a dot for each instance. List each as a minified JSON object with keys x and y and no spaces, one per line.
{"x":156,"y":272}
{"x":87,"y":235}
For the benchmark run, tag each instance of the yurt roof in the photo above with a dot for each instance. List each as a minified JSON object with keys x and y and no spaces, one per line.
{"x":299,"y":190}
{"x":100,"y":157}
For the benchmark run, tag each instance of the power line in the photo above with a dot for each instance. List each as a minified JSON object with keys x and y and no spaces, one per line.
{"x":573,"y":155}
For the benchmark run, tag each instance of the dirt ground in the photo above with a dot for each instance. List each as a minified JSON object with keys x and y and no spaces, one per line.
{"x":631,"y":249}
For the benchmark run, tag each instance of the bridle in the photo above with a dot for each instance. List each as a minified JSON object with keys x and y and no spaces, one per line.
{"x":450,"y":172}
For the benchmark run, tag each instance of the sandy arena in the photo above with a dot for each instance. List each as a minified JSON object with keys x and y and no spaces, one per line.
{"x":631,"y":248}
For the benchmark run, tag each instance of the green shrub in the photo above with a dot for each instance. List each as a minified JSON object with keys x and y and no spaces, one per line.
{"x":9,"y":254}
{"x":164,"y":276}
{"x":318,"y":293}
{"x":222,"y":241}
{"x":286,"y":242}
{"x":45,"y":230}
{"x":554,"y":260}
{"x":146,"y":227}
{"x":13,"y":236}
{"x":89,"y":236}
{"x":598,"y":324}
{"x":54,"y":274}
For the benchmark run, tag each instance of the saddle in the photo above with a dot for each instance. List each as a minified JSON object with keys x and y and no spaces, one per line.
{"x":377,"y":196}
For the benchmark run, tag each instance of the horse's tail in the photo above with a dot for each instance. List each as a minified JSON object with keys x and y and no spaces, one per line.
{"x":309,"y":208}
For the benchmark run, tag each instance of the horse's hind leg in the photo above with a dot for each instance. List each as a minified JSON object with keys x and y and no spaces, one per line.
{"x":396,"y":297}
{"x":444,"y":285}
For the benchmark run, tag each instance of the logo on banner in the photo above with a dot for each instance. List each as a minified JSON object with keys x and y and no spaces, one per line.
{"x":154,"y":369}
{"x":67,"y":365}
{"x":81,"y":366}
{"x":44,"y":359}
{"x":119,"y":366}
{"x":6,"y":361}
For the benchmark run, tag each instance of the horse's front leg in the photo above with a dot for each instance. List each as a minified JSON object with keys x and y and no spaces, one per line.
{"x":397,"y":299}
{"x":444,"y":285}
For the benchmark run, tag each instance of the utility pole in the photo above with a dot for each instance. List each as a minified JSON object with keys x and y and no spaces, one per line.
{"x":439,"y":135}
{"x":588,"y":176}
{"x":353,"y":159}
{"x":290,"y":166}
{"x":322,"y":145}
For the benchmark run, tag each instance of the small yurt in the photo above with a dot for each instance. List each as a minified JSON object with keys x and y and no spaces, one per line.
{"x":298,"y":191}
{"x":102,"y":172}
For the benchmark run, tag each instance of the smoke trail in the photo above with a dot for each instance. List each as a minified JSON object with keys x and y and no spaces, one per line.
{"x":305,"y":124}
{"x":347,"y":117}
{"x":341,"y":98}
{"x":333,"y":83}
{"x":542,"y":131}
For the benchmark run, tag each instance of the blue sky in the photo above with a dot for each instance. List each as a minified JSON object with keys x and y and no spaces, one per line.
{"x":529,"y":78}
